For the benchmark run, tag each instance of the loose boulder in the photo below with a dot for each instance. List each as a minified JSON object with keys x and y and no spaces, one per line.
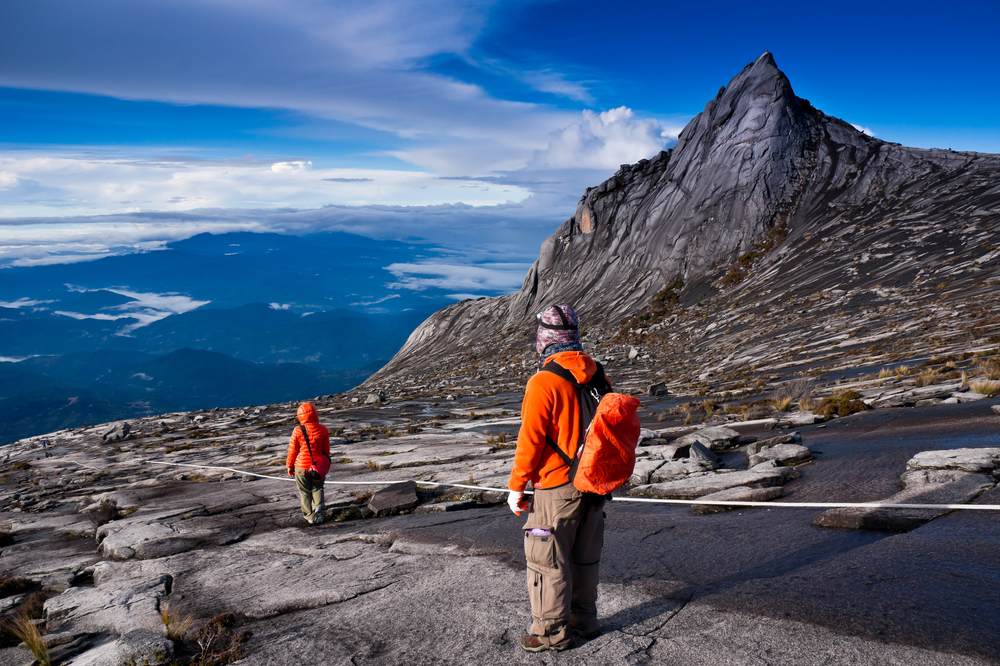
{"x":662,"y":451}
{"x":656,"y":390}
{"x":118,"y":433}
{"x":679,"y":469}
{"x":644,"y":467}
{"x":761,"y":444}
{"x":699,"y":485}
{"x":143,"y":646}
{"x":968,"y":460}
{"x":716,"y":438}
{"x":698,"y":452}
{"x":782,"y":454}
{"x":395,"y":499}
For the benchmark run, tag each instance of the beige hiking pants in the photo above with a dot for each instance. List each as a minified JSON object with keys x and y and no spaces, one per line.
{"x":310,"y":493}
{"x":563,"y":567}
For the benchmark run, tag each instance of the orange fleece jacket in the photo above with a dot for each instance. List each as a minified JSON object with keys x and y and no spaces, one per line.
{"x":550,"y":408}
{"x":319,"y":439}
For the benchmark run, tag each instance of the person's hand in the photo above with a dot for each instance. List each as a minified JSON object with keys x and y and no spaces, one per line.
{"x":516,"y":502}
{"x":291,"y":472}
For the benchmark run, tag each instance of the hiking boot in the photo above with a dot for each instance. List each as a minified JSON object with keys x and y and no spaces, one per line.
{"x":585,"y":633}
{"x":318,"y":520}
{"x":530,"y":643}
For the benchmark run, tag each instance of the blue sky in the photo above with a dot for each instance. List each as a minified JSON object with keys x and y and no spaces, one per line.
{"x":476,"y":124}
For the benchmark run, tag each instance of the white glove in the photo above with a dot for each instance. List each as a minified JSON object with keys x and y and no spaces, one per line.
{"x":514,"y":499}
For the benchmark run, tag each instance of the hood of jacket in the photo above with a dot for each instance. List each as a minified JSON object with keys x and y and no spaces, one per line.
{"x":581,"y":365}
{"x":307,"y":413}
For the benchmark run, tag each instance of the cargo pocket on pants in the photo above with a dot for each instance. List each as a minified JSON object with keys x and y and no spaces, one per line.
{"x":540,"y":550}
{"x":535,"y":593}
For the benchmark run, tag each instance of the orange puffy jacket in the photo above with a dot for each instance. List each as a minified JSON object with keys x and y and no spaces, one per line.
{"x":550,"y":407}
{"x":319,"y":439}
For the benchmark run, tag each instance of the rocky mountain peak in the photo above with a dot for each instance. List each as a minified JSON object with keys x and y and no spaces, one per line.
{"x":755,"y":99}
{"x":759,"y":179}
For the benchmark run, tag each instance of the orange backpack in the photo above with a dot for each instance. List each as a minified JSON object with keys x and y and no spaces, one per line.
{"x":605,"y":458}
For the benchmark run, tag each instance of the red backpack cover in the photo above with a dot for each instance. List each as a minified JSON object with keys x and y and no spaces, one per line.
{"x":606,"y":459}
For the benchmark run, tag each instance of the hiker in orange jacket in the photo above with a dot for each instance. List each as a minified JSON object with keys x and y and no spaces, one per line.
{"x":300,"y":459}
{"x":564,"y":533}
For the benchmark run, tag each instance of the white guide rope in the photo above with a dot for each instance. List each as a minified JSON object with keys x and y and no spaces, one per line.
{"x":651,"y":500}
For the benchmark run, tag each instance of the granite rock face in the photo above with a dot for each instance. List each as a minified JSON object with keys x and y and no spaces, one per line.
{"x":758,"y":174}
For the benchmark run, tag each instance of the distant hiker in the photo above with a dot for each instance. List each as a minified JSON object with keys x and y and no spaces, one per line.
{"x":309,"y":461}
{"x":565,"y":529}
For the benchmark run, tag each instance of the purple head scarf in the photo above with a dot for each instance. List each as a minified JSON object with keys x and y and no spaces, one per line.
{"x":557,"y":325}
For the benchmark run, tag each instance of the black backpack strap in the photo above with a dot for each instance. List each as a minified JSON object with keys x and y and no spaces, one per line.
{"x":560,"y":371}
{"x":598,"y":383}
{"x":562,"y":454}
{"x":309,"y":448}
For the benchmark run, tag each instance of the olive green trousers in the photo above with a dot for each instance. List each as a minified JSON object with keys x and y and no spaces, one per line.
{"x":310,"y":494}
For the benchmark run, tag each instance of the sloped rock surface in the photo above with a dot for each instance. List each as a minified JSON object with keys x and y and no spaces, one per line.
{"x":931,"y":477}
{"x":738,"y":494}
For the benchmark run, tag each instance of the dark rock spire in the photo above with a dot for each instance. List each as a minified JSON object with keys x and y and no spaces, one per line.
{"x":755,"y":160}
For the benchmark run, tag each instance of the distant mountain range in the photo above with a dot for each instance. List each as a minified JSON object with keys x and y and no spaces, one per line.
{"x":255,"y":332}
{"x":210,"y":321}
{"x":48,"y":393}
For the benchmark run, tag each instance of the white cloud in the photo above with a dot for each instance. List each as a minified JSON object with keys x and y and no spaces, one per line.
{"x":360,"y":63}
{"x":102,"y":317}
{"x":498,"y":277}
{"x":377,"y":300}
{"x":863,"y":130}
{"x":146,"y":307}
{"x":558,"y":84}
{"x":93,"y":185}
{"x":602,"y":141}
{"x":7,"y":180}
{"x":22,"y":303}
{"x":280,"y":306}
{"x":291,"y":167}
